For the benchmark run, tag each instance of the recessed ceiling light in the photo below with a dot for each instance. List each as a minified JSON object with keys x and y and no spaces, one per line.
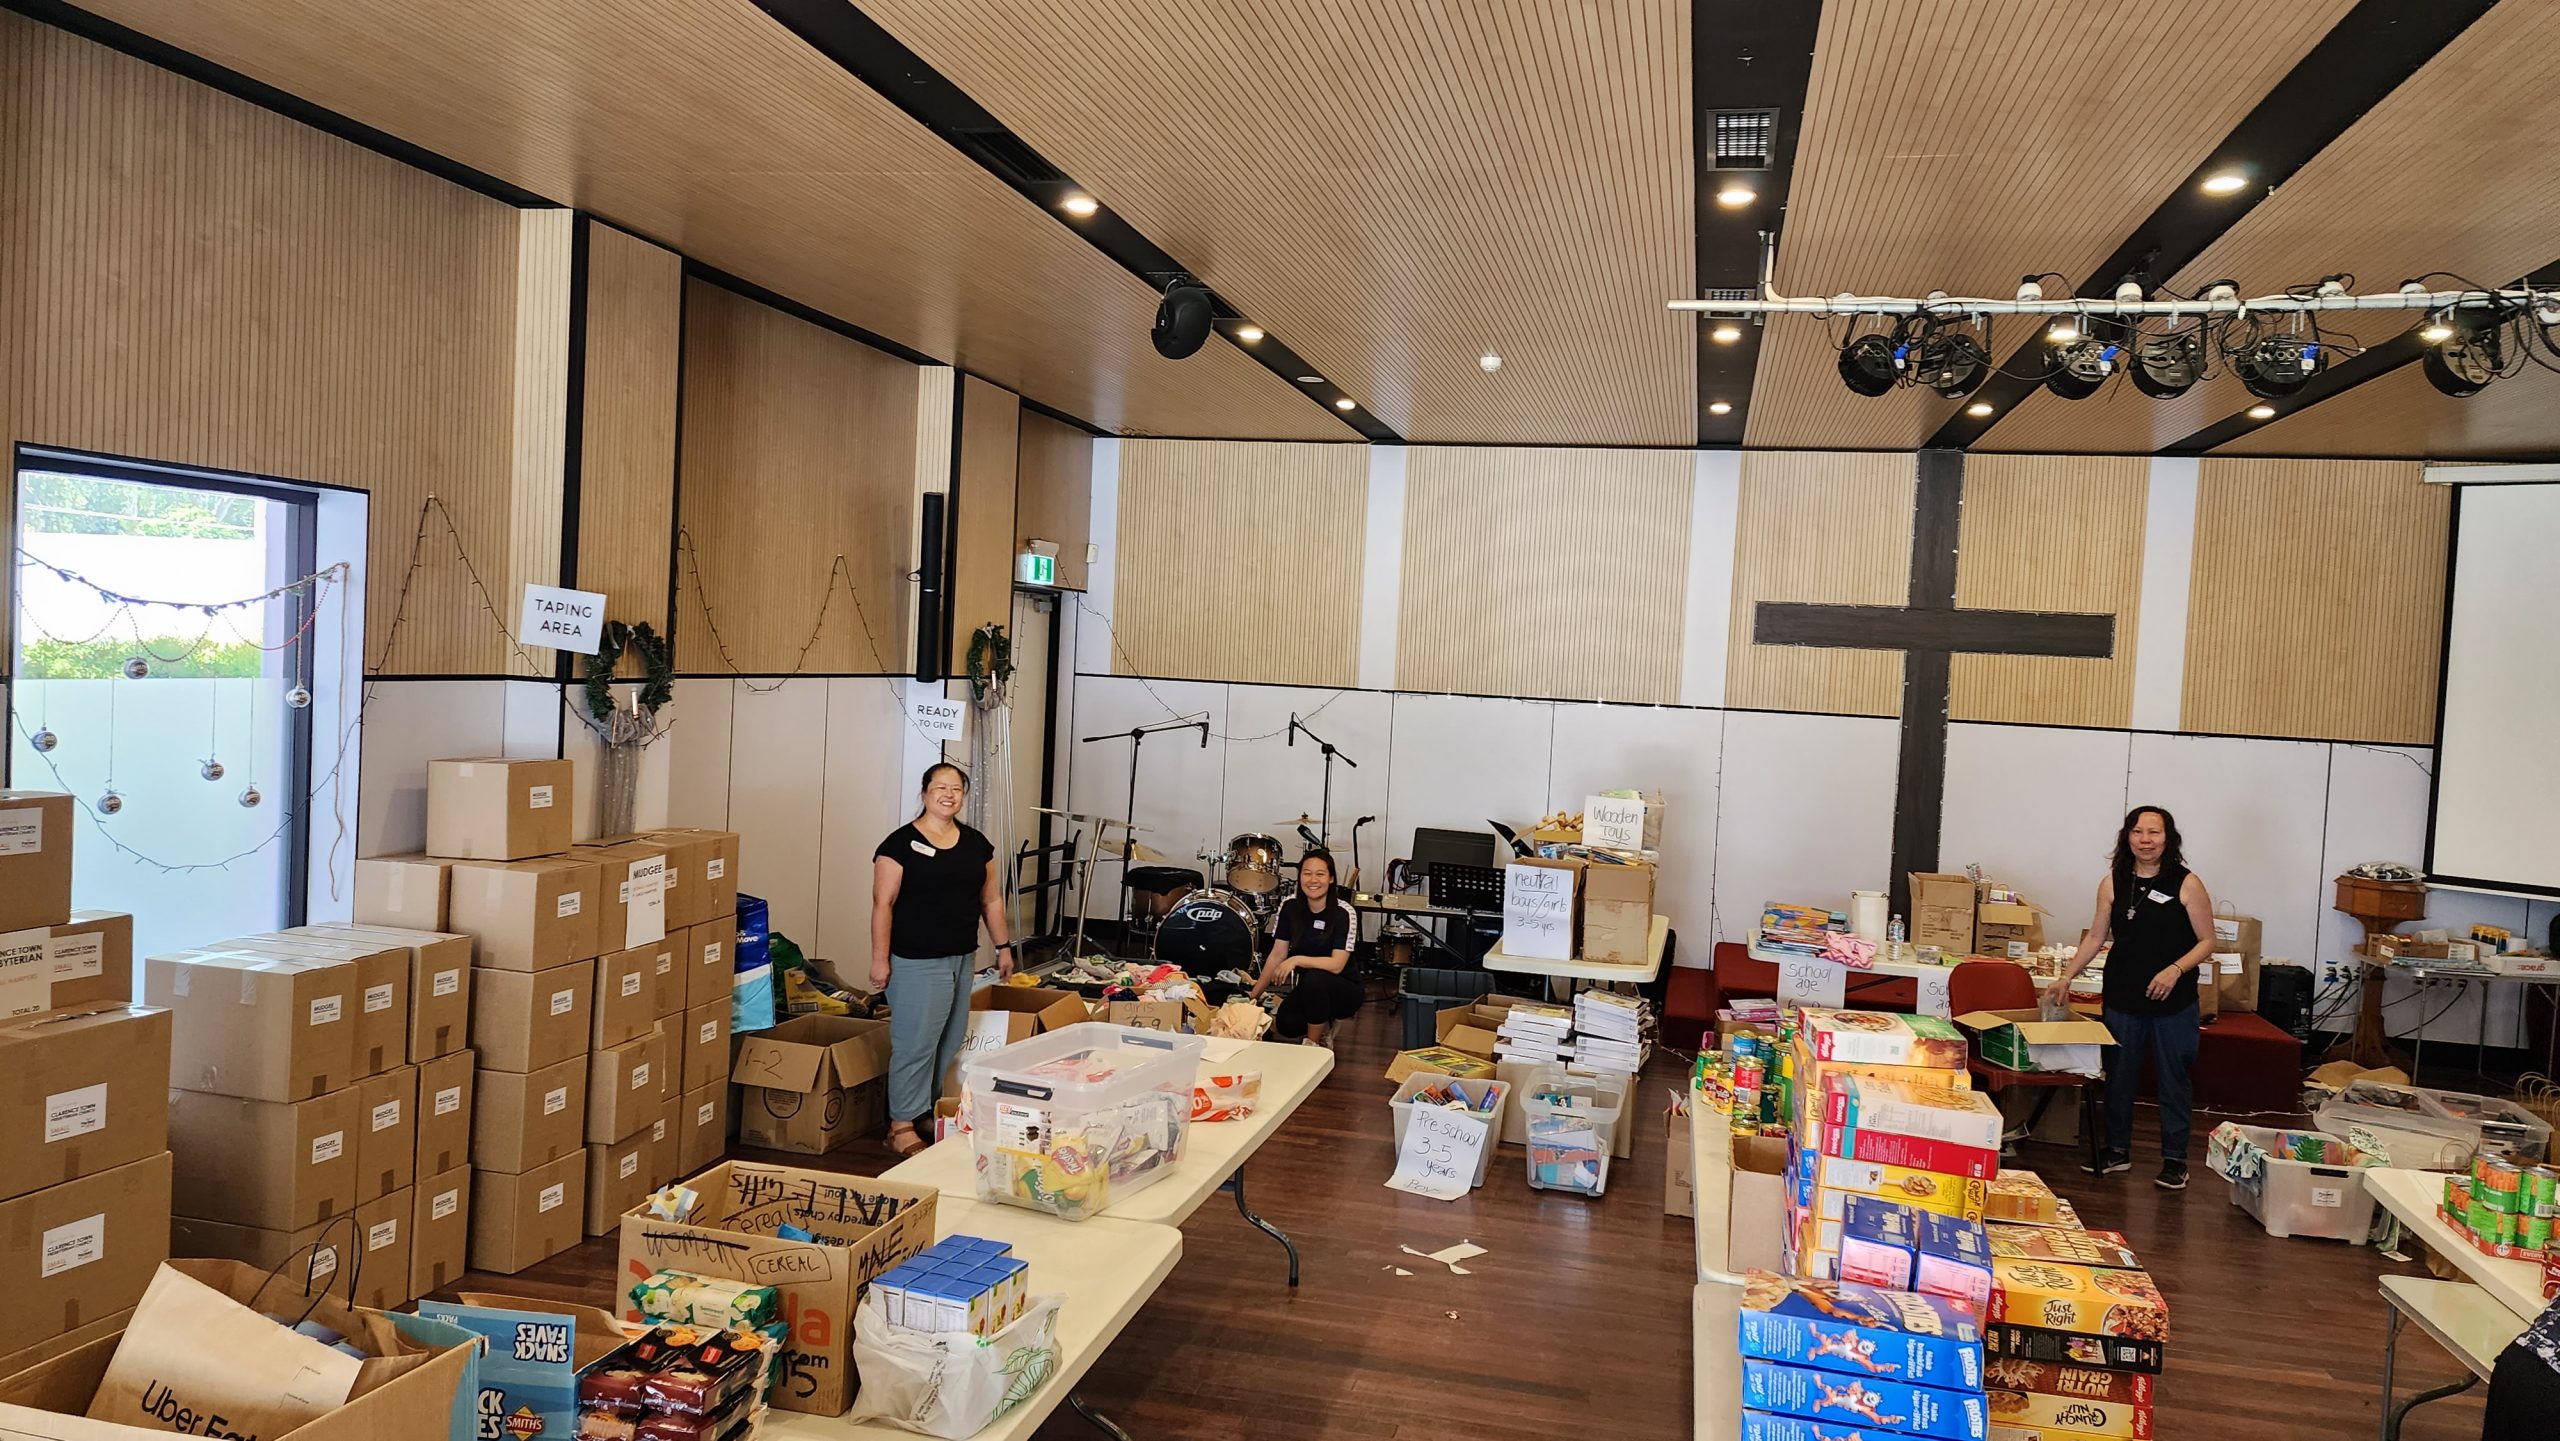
{"x":2262,"y":412}
{"x":1488,"y":362}
{"x":2226,"y":182}
{"x":2062,"y":332}
{"x":1080,"y":205}
{"x":1978,"y":409}
{"x":1720,"y":407}
{"x":1344,"y":403}
{"x":1725,"y":334}
{"x":1311,"y":380}
{"x":1734,"y":196}
{"x":1248,"y":333}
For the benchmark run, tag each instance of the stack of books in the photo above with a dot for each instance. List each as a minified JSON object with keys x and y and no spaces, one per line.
{"x":1612,"y":1032}
{"x":1795,"y":930}
{"x":1535,"y":1032}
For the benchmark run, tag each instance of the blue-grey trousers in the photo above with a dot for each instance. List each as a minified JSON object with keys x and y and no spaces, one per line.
{"x":928,"y":1019}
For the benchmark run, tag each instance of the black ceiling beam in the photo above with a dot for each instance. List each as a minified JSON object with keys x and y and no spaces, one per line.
{"x":864,"y":49}
{"x":2363,"y":58}
{"x":1743,"y":55}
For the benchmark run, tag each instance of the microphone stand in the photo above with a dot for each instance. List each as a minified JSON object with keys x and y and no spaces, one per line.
{"x":1136,"y":736}
{"x":1324,"y":811}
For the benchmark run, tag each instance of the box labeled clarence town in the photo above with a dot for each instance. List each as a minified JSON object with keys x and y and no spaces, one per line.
{"x":387,"y":1142}
{"x":445,"y":1087}
{"x":518,"y":1219}
{"x":496,"y":809}
{"x":703,"y":1046}
{"x":257,"y":1026}
{"x":439,"y":1230}
{"x":72,"y":1253}
{"x":812,"y":1083}
{"x":403,"y":892}
{"x":626,"y":1087}
{"x":277,"y":1165}
{"x":702,"y":1127}
{"x":524,"y":1021}
{"x":523,"y":1120}
{"x":626,"y":994}
{"x":86,"y":964}
{"x":527,"y":915}
{"x":35,"y":860}
{"x":81,"y":1094}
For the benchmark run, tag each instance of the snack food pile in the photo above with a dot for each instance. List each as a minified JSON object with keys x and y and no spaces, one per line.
{"x":2506,"y":1208}
{"x":676,"y":1383}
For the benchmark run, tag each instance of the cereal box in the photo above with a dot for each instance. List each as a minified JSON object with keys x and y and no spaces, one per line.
{"x":1836,"y":1176}
{"x":2073,"y":1417}
{"x":1767,"y":1426}
{"x":1860,"y":1331}
{"x":1958,"y":1118}
{"x":2003,"y":1341}
{"x":2124,"y":1388}
{"x":2068,"y":1248}
{"x":2094,"y":1299}
{"x":1876,"y":1242}
{"x":2022,"y":1197}
{"x":1858,"y":1401}
{"x":1952,"y":1258}
{"x":1883,"y":1038}
{"x":1910,"y":1152}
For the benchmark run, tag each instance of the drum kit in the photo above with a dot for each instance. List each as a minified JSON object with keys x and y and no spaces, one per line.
{"x":1218,"y":917}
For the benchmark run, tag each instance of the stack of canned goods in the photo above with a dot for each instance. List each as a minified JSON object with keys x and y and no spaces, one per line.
{"x":2506,"y":1205}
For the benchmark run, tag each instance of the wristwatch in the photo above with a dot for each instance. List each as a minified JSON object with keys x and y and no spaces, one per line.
{"x":1004,"y":945}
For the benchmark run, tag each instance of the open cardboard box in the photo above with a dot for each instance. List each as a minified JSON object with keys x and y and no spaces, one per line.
{"x":1002,"y":1015}
{"x":2024,"y":1041}
{"x":812,"y":1083}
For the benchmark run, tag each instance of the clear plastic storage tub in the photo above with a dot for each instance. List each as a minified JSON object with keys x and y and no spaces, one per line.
{"x":1086,"y":1115}
{"x":1484,"y":1100}
{"x":1571,"y":1127}
{"x":2297,"y":1183}
{"x":2399,"y":1125}
{"x":2504,"y":1125}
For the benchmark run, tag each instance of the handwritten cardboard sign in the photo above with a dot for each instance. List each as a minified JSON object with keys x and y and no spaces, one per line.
{"x":1811,"y":981}
{"x":1537,"y":912}
{"x":1440,"y":1151}
{"x":1933,"y":993}
{"x":1613,"y":823}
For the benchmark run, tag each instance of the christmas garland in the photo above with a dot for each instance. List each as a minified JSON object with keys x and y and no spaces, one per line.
{"x":657,"y":662}
{"x":990,"y":660}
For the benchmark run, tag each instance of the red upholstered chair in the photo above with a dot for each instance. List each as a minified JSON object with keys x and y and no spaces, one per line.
{"x":2001,"y":986}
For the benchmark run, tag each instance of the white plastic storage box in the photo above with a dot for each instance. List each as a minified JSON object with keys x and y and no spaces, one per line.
{"x":1485,"y":1101}
{"x":2504,"y":1125}
{"x":1570,"y":1126}
{"x":2296,"y":1183}
{"x":2399,"y":1126}
{"x":1088,"y":1114}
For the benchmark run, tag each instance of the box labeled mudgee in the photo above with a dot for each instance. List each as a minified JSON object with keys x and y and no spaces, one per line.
{"x":528,"y":915}
{"x":439,"y":1230}
{"x":439,"y":990}
{"x":812,"y":1083}
{"x":262,"y":1027}
{"x":520,"y":1218}
{"x":444,"y":1113}
{"x":862,"y":1228}
{"x":496,"y":809}
{"x":522,"y":1120}
{"x":275,"y":1165}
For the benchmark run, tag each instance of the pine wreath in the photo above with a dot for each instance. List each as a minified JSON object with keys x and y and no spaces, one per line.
{"x":657,"y":663}
{"x":990,"y":661}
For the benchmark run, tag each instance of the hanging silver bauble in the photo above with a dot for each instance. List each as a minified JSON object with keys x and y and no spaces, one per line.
{"x":44,"y":741}
{"x":249,"y":798}
{"x":135,"y":667}
{"x":110,"y":803}
{"x":212,"y":769}
{"x":298,"y":697}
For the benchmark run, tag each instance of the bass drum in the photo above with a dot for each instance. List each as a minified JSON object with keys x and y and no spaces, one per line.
{"x":1207,"y":932}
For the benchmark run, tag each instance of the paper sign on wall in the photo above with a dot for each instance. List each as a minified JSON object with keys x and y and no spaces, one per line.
{"x":644,"y":918}
{"x":1933,"y":994}
{"x":937,"y":717}
{"x":1810,"y":981}
{"x":1537,"y":912}
{"x":570,"y":620}
{"x":1440,"y":1151}
{"x":1613,"y":823}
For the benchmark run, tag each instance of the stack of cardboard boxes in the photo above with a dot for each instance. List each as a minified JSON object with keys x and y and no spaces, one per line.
{"x":84,"y":1198}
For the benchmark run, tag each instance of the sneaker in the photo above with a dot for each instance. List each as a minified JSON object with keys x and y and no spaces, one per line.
{"x":2173,"y":1176}
{"x":2109,"y":1163}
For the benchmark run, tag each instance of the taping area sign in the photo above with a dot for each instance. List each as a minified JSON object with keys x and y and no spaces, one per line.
{"x":570,"y":620}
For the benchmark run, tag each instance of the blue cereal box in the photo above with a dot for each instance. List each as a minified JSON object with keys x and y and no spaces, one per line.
{"x":1954,"y":1259}
{"x":1858,"y":1403}
{"x":1768,"y":1426}
{"x":1860,"y":1330}
{"x":1877,"y":1241}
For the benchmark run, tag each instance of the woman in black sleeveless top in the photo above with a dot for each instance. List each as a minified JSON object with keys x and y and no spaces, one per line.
{"x":2160,"y":921}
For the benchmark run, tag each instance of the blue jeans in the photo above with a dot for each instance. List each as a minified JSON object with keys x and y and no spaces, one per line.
{"x":2171,"y":1041}
{"x":928,"y":1019}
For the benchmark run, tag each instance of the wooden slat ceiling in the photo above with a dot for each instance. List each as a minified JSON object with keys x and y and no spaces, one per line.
{"x":2433,"y":178}
{"x":2400,"y":414}
{"x":706,"y":126}
{"x":1960,"y":144}
{"x":1392,"y":186}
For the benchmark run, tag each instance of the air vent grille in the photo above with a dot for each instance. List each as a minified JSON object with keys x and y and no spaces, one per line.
{"x":1743,"y":138}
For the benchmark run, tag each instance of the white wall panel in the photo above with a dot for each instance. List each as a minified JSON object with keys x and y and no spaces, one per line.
{"x":2168,"y":568}
{"x":1674,"y":751}
{"x":698,"y":753}
{"x":1806,"y":813}
{"x":1181,"y":786}
{"x":408,"y":723}
{"x":778,"y":761}
{"x":1269,"y":781}
{"x":1458,"y":761}
{"x":870,"y":789}
{"x":2251,"y":813}
{"x":533,"y":718}
{"x":2037,"y":808}
{"x":1715,"y":507}
{"x":1094,"y":651}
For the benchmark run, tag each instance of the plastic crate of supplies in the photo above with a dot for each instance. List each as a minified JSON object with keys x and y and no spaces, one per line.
{"x":1570,"y":1126}
{"x":2400,"y":1125}
{"x":2503,"y":1124}
{"x":2296,"y":1183}
{"x":1086,"y":1115}
{"x":1429,"y":990}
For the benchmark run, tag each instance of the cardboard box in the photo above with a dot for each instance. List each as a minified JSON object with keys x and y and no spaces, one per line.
{"x":702,"y":1127}
{"x":72,"y":1253}
{"x":81,"y":1094}
{"x":1942,"y":911}
{"x":617,"y":1180}
{"x":87,"y":965}
{"x":812,"y":1083}
{"x":708,"y":975}
{"x":1144,"y":1015}
{"x":626,"y":1087}
{"x":1679,"y":1173}
{"x":35,"y":860}
{"x":384,"y":1223}
{"x":1617,"y":914}
{"x":256,"y":1026}
{"x":2000,"y":926}
{"x":107,"y":1326}
{"x":1756,"y":1201}
{"x":1548,"y":942}
{"x":666,"y":1142}
{"x":521,"y":1121}
{"x":692,"y":891}
{"x":439,"y":989}
{"x":402,"y":892}
{"x":866,"y":1226}
{"x":1438,"y":1059}
{"x":375,"y":1236}
{"x":1472,"y":1029}
{"x":703,"y":1046}
{"x":439,"y":1230}
{"x":497,"y":809}
{"x":379,"y":1009}
{"x":2023,"y":1041}
{"x":2236,"y":942}
{"x":631,"y":907}
{"x":520,"y":1218}
{"x":665,"y":965}
{"x":528,"y":915}
{"x":386,"y":1133}
{"x":626,"y":995}
{"x":524,"y":1021}
{"x":444,"y":1113}
{"x":276,"y":1165}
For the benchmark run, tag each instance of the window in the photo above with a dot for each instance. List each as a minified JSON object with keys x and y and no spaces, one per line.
{"x":167,"y":648}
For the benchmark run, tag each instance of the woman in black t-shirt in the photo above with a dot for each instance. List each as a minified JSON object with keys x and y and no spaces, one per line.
{"x":1312,"y":939}
{"x":2160,"y":920}
{"x":932,"y":881}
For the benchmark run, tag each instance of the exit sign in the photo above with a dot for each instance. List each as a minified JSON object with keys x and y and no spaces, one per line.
{"x":1033,"y":568}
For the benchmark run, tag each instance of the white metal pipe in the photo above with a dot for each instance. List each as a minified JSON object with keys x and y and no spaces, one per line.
{"x":1961,"y":305}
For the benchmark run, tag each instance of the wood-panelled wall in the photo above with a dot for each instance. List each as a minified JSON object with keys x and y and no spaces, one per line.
{"x":1053,"y":494}
{"x":2317,"y":606}
{"x":537,"y":497}
{"x":799,"y":447}
{"x":2060,"y":533}
{"x":1240,"y":561}
{"x":982,"y":579}
{"x":188,"y":278}
{"x":1819,"y":526}
{"x":1539,"y":572}
{"x":627,"y":466}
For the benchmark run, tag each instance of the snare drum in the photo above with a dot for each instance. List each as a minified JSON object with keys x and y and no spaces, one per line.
{"x":1253,"y":865}
{"x":1207,"y":932}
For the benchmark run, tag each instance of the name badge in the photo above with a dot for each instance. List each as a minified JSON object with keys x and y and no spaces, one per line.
{"x":922,"y":849}
{"x":1319,"y":925}
{"x":2164,"y":900}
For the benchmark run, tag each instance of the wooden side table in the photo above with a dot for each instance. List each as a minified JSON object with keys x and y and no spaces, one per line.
{"x":2378,"y":906}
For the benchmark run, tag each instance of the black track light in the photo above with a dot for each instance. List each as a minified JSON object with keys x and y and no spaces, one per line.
{"x":1183,"y":320}
{"x":2465,"y":362}
{"x":2076,"y":370}
{"x":1952,"y":363}
{"x":2165,"y":366}
{"x":2279,"y":366}
{"x":1872,"y":364}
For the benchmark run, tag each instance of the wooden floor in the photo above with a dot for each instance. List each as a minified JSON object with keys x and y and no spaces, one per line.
{"x":1577,"y":1321}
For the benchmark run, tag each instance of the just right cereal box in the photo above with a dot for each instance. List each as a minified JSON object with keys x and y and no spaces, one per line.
{"x":2092,"y":1300}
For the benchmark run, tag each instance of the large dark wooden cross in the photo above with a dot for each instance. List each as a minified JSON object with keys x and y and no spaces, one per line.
{"x":1929,"y":631}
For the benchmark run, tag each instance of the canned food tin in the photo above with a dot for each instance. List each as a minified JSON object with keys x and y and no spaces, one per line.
{"x":2533,"y":1232}
{"x":2498,"y":1181}
{"x":2541,"y":1189}
{"x":2502,"y":1228}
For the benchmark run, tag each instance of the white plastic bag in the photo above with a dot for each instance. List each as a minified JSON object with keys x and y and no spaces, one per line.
{"x":950,"y":1385}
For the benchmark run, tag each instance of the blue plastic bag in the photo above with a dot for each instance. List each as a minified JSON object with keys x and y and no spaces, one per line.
{"x":751,"y":988}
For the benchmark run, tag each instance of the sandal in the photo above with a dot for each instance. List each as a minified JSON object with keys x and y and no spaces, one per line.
{"x":904,"y":1140}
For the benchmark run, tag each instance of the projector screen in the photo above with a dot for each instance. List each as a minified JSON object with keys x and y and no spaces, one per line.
{"x":2495,"y":820}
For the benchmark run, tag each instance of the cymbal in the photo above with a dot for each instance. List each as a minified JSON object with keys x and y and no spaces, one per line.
{"x":1090,"y":819}
{"x":1117,"y":850}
